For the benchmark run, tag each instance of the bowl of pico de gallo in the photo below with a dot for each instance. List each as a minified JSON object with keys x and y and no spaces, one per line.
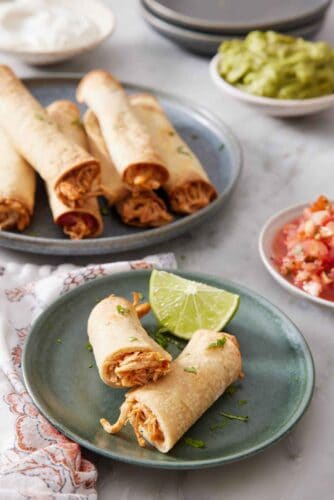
{"x":297,"y":248}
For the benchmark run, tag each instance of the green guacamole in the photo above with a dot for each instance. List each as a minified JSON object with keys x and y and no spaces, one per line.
{"x":269,"y":64}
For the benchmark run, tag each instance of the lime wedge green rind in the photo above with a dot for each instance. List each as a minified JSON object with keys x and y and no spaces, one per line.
{"x":183,"y":306}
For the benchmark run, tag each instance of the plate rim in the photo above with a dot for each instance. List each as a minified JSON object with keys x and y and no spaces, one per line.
{"x":186,"y":464}
{"x":266,"y":260}
{"x":186,"y":21}
{"x":123,"y":243}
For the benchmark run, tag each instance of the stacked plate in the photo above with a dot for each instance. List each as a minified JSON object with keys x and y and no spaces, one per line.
{"x":200,"y":26}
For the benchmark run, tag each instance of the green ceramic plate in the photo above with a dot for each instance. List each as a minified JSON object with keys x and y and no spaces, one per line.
{"x":277,"y":387}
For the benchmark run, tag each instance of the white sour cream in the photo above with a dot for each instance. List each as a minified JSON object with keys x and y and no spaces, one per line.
{"x":44,"y":25}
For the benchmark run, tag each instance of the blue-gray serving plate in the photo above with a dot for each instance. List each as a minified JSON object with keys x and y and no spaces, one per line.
{"x":62,"y":379}
{"x":210,"y":139}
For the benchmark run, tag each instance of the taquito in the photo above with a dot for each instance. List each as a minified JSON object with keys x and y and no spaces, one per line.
{"x":188,"y":187}
{"x":17,"y":187}
{"x":126,"y":356}
{"x":126,"y":138}
{"x":161,"y":412}
{"x":136,"y":208}
{"x":79,"y":222}
{"x":63,"y":164}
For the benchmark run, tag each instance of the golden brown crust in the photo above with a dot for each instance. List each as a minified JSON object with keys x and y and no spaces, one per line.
{"x":189,"y":188}
{"x":82,"y":221}
{"x":127,"y":139}
{"x":58,"y":160}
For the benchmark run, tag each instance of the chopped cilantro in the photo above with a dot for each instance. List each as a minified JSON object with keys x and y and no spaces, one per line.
{"x":195,"y":443}
{"x":220,"y":425}
{"x":231,"y":389}
{"x":221,"y":147}
{"x":161,"y":339}
{"x":141,"y":296}
{"x":133,"y":339}
{"x":242,"y":402}
{"x":190,"y":369}
{"x":219,"y":343}
{"x":182,"y":150}
{"x":89,"y":347}
{"x":104,"y":211}
{"x":122,"y":310}
{"x":234,"y":417}
{"x":90,"y":366}
{"x":59,"y":341}
{"x":77,"y":122}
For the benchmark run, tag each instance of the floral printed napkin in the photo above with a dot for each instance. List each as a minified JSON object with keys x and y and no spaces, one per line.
{"x":36,"y":461}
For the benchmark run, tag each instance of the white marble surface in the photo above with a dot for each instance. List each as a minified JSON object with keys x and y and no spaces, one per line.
{"x":285,"y":162}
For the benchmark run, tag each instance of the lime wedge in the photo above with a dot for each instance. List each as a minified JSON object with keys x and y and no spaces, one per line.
{"x":183,"y":306}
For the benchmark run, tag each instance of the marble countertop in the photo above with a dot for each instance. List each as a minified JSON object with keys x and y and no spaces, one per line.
{"x":285,"y":162}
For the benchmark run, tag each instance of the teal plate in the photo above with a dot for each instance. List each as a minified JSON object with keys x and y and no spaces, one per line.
{"x":277,"y":388}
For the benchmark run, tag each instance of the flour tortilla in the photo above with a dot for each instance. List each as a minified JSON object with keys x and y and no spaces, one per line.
{"x":189,"y":188}
{"x":136,"y":208}
{"x":126,"y":138}
{"x":197,"y":378}
{"x":115,"y":332}
{"x":67,"y":167}
{"x":17,"y":187}
{"x":78,"y":222}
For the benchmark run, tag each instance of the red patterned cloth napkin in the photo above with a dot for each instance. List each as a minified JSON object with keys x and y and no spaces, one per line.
{"x":36,"y":461}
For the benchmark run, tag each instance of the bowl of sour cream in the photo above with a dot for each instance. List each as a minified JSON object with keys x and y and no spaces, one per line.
{"x":49,"y":31}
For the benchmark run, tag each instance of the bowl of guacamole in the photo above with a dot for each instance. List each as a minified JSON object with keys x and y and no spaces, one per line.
{"x":286,"y":76}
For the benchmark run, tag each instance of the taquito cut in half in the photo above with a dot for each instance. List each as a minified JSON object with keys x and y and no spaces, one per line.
{"x":136,"y":208}
{"x":63,"y":164}
{"x":84,"y":221}
{"x":189,"y":188}
{"x":126,"y":356}
{"x":127,"y":139}
{"x":17,"y":187}
{"x":161,"y":412}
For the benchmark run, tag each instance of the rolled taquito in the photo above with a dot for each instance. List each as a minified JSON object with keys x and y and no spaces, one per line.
{"x":136,"y":208}
{"x":17,"y":187}
{"x":161,"y":412}
{"x":188,"y":187}
{"x":63,"y":164}
{"x":127,"y":139}
{"x":79,"y":222}
{"x":126,"y":356}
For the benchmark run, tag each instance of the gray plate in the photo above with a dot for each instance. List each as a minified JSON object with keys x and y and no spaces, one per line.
{"x":278,"y":384}
{"x":208,"y":43}
{"x":201,"y":130}
{"x":239,"y":16}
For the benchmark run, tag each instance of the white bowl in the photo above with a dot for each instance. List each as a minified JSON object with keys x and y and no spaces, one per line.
{"x":99,"y":13}
{"x":268,"y":105}
{"x":267,"y":235}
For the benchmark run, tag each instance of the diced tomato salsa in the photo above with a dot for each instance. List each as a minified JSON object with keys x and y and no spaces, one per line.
{"x":303,"y":250}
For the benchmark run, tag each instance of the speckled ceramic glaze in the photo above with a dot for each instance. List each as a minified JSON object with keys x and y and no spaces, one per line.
{"x":277,"y":388}
{"x":207,"y":136}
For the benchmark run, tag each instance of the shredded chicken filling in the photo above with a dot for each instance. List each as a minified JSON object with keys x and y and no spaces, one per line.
{"x":77,"y":184}
{"x":192,"y":196}
{"x":143,"y":210}
{"x":13,"y":214}
{"x":78,"y":225}
{"x":145,"y":176}
{"x":137,"y":368}
{"x":142,"y":420}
